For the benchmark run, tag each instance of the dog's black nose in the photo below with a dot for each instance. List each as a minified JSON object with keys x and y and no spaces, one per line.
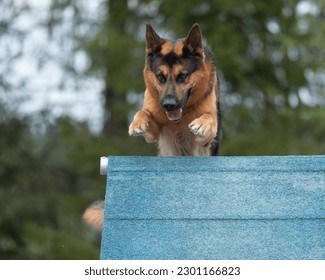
{"x":169,"y":103}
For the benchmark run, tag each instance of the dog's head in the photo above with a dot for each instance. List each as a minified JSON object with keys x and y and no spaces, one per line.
{"x":175,"y":70}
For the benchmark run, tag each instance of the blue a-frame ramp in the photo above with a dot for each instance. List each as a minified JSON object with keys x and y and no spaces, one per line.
{"x":214,"y":208}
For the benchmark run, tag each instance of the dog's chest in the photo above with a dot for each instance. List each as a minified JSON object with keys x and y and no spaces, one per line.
{"x":179,"y":141}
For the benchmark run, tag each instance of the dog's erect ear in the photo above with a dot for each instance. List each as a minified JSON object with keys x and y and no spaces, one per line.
{"x":193,"y":41}
{"x":153,"y":40}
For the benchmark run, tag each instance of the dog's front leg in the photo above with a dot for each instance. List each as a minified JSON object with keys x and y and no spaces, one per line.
{"x":205,"y":128}
{"x":144,"y":125}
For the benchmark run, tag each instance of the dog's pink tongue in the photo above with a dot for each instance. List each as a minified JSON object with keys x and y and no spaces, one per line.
{"x":175,"y":115}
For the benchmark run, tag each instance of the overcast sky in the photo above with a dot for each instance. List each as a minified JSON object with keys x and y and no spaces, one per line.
{"x":42,"y":84}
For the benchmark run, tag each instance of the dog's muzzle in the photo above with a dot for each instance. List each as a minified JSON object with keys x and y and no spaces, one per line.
{"x":173,"y":107}
{"x":170,"y":103}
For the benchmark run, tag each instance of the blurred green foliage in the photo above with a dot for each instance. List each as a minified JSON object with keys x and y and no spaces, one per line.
{"x":270,"y":59}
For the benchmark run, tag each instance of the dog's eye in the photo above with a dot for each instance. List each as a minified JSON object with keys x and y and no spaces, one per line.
{"x":181,"y":77}
{"x":161,"y":78}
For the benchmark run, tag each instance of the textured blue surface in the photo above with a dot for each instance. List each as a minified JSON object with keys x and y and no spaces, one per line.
{"x":215,"y":208}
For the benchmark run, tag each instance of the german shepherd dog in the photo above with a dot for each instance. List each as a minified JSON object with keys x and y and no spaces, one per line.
{"x":181,"y":103}
{"x":181,"y":110}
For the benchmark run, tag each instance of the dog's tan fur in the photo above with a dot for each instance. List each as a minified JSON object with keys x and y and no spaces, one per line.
{"x":193,"y":134}
{"x":94,"y":215}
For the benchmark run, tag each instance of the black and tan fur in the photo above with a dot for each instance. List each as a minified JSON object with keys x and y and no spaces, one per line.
{"x":181,"y":102}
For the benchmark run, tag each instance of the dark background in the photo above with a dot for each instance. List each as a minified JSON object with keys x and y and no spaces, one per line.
{"x":270,"y":59}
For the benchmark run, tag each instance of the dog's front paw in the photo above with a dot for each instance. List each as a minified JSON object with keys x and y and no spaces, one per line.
{"x":140,"y":124}
{"x":197,"y":129}
{"x":205,"y":128}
